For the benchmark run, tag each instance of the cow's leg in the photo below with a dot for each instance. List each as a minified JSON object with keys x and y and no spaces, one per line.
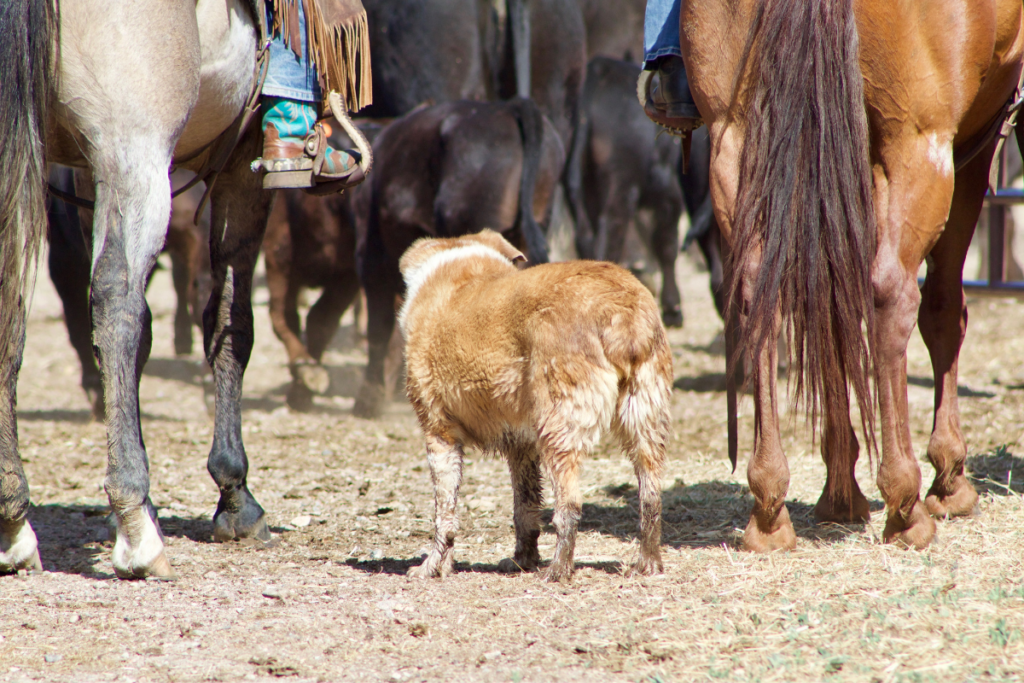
{"x":240,"y":209}
{"x":943,"y":321}
{"x":284,"y":318}
{"x":324,"y":316}
{"x":69,"y":264}
{"x":18,"y":547}
{"x":445,"y":460}
{"x":183,"y":246}
{"x":665,"y":246}
{"x":527,"y":498}
{"x":382,"y":283}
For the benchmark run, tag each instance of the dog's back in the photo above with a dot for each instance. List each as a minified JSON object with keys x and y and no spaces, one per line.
{"x":564,"y":351}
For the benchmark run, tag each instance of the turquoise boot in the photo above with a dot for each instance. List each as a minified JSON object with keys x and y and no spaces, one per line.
{"x":296,"y":153}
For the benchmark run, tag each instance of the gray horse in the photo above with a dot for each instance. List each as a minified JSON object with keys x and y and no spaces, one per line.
{"x":126,"y":92}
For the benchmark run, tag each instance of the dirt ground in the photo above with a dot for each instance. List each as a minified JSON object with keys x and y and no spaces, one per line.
{"x":349,"y":502}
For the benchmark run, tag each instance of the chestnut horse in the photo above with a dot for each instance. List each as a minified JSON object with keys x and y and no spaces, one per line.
{"x":850,"y":141}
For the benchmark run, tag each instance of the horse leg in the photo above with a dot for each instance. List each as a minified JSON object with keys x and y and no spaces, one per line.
{"x":943,"y":321}
{"x":912,"y":204}
{"x":769,"y":527}
{"x":133,"y":204}
{"x":841,"y":500}
{"x":239,"y":218}
{"x":18,"y":547}
{"x":711,"y":246}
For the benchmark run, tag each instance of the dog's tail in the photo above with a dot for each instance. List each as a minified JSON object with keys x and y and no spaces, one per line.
{"x":531,"y":127}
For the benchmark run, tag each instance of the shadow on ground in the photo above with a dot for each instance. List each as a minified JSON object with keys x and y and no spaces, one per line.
{"x":701,"y":515}
{"x":961,"y":390}
{"x":400,"y":567}
{"x":1000,"y":472}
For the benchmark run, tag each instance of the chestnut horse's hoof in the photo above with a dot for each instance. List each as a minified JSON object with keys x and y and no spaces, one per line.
{"x":960,"y":500}
{"x":916,"y":530}
{"x":765,"y":538}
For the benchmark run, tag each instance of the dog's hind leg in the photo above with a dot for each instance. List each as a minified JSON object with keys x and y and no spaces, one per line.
{"x":642,"y":425}
{"x":527,"y":494}
{"x":445,"y":459}
{"x":564,"y":468}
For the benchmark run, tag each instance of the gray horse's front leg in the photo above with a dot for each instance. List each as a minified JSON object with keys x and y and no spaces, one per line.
{"x":240,"y":209}
{"x":18,"y":548}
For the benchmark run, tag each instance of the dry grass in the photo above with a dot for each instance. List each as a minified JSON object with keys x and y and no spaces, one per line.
{"x":329,"y":601}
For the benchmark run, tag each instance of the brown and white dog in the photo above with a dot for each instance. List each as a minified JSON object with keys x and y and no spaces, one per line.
{"x":534,"y":365}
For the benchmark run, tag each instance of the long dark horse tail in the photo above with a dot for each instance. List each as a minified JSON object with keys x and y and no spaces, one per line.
{"x":804,"y":208}
{"x":531,"y":127}
{"x":27,"y":35}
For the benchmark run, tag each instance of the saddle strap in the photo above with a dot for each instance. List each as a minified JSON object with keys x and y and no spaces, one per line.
{"x":1000,"y":128}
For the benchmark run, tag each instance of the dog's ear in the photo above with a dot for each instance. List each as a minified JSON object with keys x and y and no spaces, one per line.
{"x":495,"y":241}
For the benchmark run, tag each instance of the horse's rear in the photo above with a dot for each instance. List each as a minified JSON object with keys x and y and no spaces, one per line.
{"x":137,"y":85}
{"x":833,"y":237}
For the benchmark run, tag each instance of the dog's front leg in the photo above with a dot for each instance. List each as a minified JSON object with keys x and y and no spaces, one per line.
{"x":445,"y":459}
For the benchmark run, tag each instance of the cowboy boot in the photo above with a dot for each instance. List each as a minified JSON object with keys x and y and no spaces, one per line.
{"x":296,"y":153}
{"x":669,"y":102}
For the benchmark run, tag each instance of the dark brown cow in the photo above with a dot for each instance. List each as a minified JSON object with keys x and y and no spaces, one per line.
{"x":310,"y":242}
{"x":447,"y":170}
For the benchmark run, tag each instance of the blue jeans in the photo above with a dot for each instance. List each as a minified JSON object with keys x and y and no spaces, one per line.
{"x":287,"y":75}
{"x":661,"y":30}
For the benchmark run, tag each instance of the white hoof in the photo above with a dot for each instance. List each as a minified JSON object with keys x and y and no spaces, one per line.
{"x":18,"y":548}
{"x":139,"y":552}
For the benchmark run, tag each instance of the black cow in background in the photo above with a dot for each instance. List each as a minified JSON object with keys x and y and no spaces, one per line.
{"x":444,"y":50}
{"x":447,"y":170}
{"x":615,"y":28}
{"x":620,"y":164}
{"x":70,"y":263}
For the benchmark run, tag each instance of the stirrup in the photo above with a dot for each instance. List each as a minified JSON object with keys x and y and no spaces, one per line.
{"x":306,"y":171}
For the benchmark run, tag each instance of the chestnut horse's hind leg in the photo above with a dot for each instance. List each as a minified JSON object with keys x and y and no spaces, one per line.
{"x":240,"y":209}
{"x":912,"y":206}
{"x":769,"y":527}
{"x":943,"y":321}
{"x":841,"y":500}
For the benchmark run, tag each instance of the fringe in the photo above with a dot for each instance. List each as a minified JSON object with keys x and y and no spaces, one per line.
{"x":338,"y":42}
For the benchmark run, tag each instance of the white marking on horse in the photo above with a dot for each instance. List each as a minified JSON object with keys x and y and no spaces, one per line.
{"x":940,"y":153}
